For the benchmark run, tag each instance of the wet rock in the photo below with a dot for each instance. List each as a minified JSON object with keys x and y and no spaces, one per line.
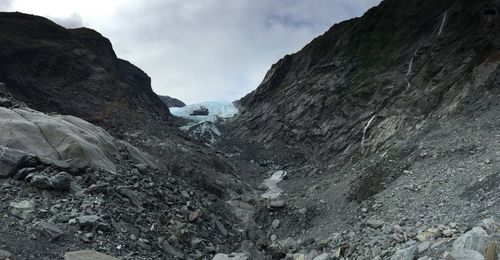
{"x":21,"y":174}
{"x":406,"y":254}
{"x":130,"y":194}
{"x":61,"y":181}
{"x":87,"y":255}
{"x":25,"y":161}
{"x":24,"y":209}
{"x":99,"y":187}
{"x":277,"y":204}
{"x":91,"y":222}
{"x":6,"y":255}
{"x":73,"y":166}
{"x":275,"y":224}
{"x":465,"y":254}
{"x":474,"y":239}
{"x":172,"y":251}
{"x":75,"y":188}
{"x":41,"y":182}
{"x":49,"y":230}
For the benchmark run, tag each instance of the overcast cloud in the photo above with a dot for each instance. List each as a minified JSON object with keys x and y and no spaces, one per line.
{"x":201,"y":50}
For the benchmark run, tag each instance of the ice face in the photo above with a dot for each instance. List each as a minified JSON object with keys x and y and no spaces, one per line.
{"x":216,"y":110}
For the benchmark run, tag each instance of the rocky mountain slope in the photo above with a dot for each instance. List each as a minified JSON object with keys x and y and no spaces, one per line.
{"x":138,"y":188}
{"x":378,"y":140}
{"x":68,"y":185}
{"x":370,"y":81}
{"x":387,"y":128}
{"x":171,"y":102}
{"x":73,"y":71}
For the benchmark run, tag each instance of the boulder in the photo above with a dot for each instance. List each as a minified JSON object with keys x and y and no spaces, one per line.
{"x":277,"y":204}
{"x":6,"y":255}
{"x":408,"y":253}
{"x":91,"y":222}
{"x":172,"y":252}
{"x":55,"y":138}
{"x":21,"y":174}
{"x":49,"y":230}
{"x":251,"y":250}
{"x":40,"y":181}
{"x":132,"y":195}
{"x":24,"y":209}
{"x":465,"y":254}
{"x":60,"y":181}
{"x":12,"y":160}
{"x":474,"y":239}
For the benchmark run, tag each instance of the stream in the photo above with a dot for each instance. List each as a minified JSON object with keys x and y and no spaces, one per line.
{"x":271,"y":183}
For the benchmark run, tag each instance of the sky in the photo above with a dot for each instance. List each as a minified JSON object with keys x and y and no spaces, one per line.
{"x":200,"y":50}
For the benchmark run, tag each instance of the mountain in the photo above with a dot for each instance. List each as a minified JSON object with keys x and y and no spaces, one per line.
{"x":368,"y":82}
{"x":377,"y":140}
{"x":82,"y":132}
{"x":386,"y":126}
{"x":171,"y":102}
{"x":73,"y":71}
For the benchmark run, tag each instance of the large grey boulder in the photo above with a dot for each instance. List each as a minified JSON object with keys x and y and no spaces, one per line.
{"x":16,"y":132}
{"x":466,"y":254}
{"x":474,"y":239}
{"x":26,"y":131}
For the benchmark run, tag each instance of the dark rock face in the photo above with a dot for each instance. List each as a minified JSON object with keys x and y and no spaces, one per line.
{"x":367,"y":83}
{"x":74,"y":72}
{"x":172,"y":102}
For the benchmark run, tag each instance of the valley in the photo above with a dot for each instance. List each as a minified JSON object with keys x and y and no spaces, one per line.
{"x":380,"y":139}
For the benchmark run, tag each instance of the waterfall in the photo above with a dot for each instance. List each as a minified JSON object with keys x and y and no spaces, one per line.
{"x":410,"y":65}
{"x":3,"y":149}
{"x":443,"y":23}
{"x":365,"y":129}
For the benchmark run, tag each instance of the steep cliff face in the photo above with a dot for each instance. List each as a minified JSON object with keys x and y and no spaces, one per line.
{"x":369,"y":84}
{"x":74,"y":72}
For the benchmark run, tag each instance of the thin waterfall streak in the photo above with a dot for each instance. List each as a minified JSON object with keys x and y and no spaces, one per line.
{"x":4,"y":149}
{"x":410,"y":66}
{"x":365,"y":129}
{"x":443,"y":23}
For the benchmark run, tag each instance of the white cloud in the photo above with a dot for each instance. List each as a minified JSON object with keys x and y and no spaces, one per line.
{"x":72,"y":21}
{"x":6,"y":5}
{"x":202,"y":49}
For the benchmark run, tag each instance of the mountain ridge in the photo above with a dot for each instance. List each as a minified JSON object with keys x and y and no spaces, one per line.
{"x":91,"y":81}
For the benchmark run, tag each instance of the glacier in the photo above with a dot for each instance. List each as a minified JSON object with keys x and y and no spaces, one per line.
{"x":203,"y":127}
